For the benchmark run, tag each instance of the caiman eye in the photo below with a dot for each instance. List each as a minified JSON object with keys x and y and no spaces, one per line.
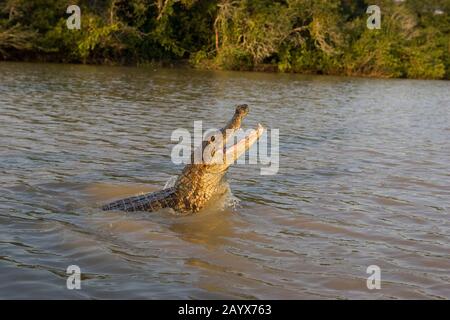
{"x":212,"y":139}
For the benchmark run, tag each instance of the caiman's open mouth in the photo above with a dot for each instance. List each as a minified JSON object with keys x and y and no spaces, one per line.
{"x":216,"y":151}
{"x":235,"y":151}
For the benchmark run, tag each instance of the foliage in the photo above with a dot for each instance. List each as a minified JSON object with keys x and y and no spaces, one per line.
{"x":308,"y":36}
{"x":15,"y":39}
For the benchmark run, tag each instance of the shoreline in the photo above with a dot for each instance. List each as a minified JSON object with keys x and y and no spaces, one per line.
{"x":184,"y":64}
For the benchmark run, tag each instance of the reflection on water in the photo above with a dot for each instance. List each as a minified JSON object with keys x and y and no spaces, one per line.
{"x":364,"y":179}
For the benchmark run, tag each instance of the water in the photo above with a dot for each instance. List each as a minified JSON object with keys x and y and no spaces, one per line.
{"x":364,"y":180}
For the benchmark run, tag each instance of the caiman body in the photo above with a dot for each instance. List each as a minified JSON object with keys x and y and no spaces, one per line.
{"x":200,"y":180}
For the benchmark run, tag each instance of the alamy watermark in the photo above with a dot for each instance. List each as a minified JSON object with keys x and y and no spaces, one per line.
{"x":374,"y":20}
{"x":74,"y":21}
{"x":374,"y":280}
{"x":74,"y":277}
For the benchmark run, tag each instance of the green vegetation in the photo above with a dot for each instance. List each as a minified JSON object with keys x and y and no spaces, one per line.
{"x":305,"y":36}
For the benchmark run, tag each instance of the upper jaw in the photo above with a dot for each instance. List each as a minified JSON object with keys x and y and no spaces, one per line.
{"x":235,"y":123}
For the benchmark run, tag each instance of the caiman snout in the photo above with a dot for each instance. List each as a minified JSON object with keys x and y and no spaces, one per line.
{"x":242,"y":110}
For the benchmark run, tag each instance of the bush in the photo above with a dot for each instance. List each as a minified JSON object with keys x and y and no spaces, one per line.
{"x":232,"y":58}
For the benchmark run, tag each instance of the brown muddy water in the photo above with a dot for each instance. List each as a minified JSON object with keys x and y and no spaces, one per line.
{"x":364,"y":179}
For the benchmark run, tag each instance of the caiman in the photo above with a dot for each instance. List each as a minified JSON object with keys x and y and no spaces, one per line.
{"x":201,"y":180}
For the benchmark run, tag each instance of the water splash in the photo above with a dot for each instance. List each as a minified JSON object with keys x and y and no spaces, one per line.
{"x":228,"y":200}
{"x":232,"y":202}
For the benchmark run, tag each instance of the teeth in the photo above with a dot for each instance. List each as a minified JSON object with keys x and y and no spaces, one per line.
{"x":259,"y":129}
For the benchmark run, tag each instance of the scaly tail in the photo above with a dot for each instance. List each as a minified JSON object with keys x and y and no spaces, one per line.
{"x":147,"y":202}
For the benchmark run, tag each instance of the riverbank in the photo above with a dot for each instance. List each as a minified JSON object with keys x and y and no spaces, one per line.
{"x":297,"y":36}
{"x":211,"y":66}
